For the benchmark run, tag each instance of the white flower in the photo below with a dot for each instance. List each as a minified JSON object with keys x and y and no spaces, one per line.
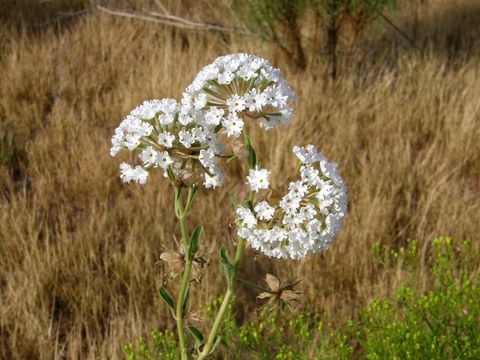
{"x":226,"y":77}
{"x":213,"y":181}
{"x":246,"y":217}
{"x":290,"y":203}
{"x":186,"y":138}
{"x":200,"y":101}
{"x":258,"y":179}
{"x":236,"y":103}
{"x":149,"y":156}
{"x":213,"y":116}
{"x":207,"y":159}
{"x":255,"y":100}
{"x":147,"y":110}
{"x":166,"y":139}
{"x":264,"y":211}
{"x":137,"y":174}
{"x":297,"y":189}
{"x":164,"y":160}
{"x":233,"y":125}
{"x":308,"y":154}
{"x":309,"y":175}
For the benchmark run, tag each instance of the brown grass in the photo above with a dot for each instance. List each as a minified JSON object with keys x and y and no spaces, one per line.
{"x":78,"y":248}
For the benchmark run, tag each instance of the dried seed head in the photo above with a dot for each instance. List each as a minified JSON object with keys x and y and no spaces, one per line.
{"x":239,"y":149}
{"x":279,"y":295}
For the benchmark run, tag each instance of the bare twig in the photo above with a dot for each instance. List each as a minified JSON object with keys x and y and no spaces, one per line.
{"x":172,"y":20}
{"x":161,"y":6}
{"x":402,"y":33}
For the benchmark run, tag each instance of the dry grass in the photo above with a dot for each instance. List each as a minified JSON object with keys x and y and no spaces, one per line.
{"x":78,"y":248}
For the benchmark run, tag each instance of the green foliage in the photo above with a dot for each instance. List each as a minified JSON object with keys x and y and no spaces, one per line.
{"x":443,"y":323}
{"x":284,"y":22}
{"x":277,"y":21}
{"x":164,"y":347}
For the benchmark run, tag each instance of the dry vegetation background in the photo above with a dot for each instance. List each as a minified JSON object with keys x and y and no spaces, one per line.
{"x":78,"y":248}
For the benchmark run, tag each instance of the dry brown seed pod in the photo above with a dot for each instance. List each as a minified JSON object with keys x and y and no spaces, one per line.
{"x":279,"y":295}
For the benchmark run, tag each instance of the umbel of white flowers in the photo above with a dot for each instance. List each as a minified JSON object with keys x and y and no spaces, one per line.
{"x":306,"y":218}
{"x":184,"y":138}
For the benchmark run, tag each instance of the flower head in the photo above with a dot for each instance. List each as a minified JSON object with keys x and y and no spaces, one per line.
{"x":306,"y":218}
{"x":242,"y":86}
{"x":171,"y":136}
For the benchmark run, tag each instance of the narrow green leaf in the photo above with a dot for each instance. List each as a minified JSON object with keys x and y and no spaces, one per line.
{"x":232,"y":158}
{"x":178,"y":199}
{"x":227,"y":265}
{"x":197,"y":334}
{"x":218,"y":338}
{"x":192,"y":193}
{"x":252,"y":156}
{"x":166,"y":297}
{"x":224,"y":257}
{"x":185,"y":300}
{"x":195,"y":241}
{"x":170,"y":174}
{"x":250,"y":205}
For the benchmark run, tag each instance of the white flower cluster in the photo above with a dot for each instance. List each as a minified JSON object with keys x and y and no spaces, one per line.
{"x":184,"y":137}
{"x":307,"y":217}
{"x":237,"y":86}
{"x":163,"y":138}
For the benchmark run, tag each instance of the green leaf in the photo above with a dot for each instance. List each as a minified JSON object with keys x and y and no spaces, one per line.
{"x":194,"y":241}
{"x":197,"y":334}
{"x":171,"y":175}
{"x":250,"y":205}
{"x":224,"y":257}
{"x":227,"y":265}
{"x":178,"y":199}
{"x":192,"y":193}
{"x":166,"y":297}
{"x":252,"y":156}
{"x":232,"y":158}
{"x":185,"y":300}
{"x":218,"y":338}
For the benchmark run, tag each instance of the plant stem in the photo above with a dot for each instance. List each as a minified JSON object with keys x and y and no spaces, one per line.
{"x":224,"y":306}
{"x":179,"y":310}
{"x":230,"y":284}
{"x":185,"y":281}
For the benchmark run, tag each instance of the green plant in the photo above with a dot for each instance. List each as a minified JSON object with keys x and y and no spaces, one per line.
{"x":443,"y":323}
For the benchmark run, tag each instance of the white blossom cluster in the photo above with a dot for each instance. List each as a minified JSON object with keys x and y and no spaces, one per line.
{"x":307,"y":217}
{"x":158,"y":131}
{"x":184,"y":137}
{"x":237,"y":86}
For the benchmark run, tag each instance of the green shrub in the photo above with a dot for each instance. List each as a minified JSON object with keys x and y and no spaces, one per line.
{"x":443,"y":323}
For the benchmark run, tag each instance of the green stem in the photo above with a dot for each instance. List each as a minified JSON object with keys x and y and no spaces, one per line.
{"x":224,"y":306}
{"x":231,"y":284}
{"x":185,"y":281}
